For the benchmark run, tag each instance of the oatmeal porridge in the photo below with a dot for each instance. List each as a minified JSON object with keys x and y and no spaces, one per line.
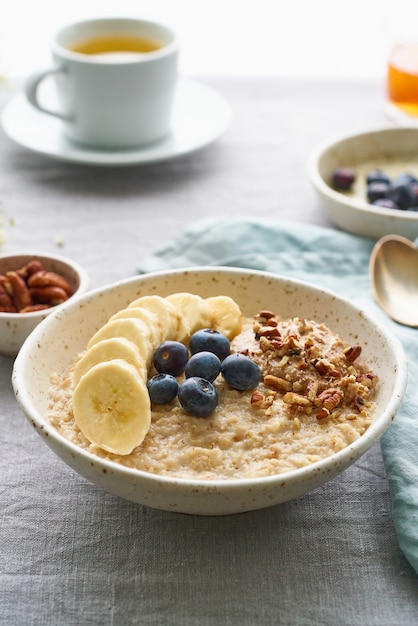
{"x":315,"y":397}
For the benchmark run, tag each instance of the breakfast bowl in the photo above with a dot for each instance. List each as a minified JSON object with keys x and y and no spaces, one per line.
{"x":53,"y":270}
{"x":392,"y":149}
{"x":53,"y":346}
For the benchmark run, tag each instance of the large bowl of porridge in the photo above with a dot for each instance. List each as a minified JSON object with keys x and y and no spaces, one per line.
{"x":250,"y":453}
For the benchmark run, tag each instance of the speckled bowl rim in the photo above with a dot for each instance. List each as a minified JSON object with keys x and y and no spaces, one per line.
{"x":343,"y":458}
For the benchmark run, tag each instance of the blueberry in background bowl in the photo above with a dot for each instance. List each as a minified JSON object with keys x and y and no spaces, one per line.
{"x":391,"y":150}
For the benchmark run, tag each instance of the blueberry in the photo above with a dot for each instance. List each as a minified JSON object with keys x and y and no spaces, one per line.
{"x":171,"y":358}
{"x":197,"y":396}
{"x":402,"y":195}
{"x":414,"y":190}
{"x":211,"y":340}
{"x":377,"y":190}
{"x":343,"y":178}
{"x":385,"y":203}
{"x":377,"y":176}
{"x":405,"y":179}
{"x":240,"y":372}
{"x":204,"y":364}
{"x":162,"y":388}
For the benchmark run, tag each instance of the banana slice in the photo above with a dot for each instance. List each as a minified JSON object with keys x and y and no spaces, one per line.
{"x":226,"y":315}
{"x":134,"y":330}
{"x":107,"y":350}
{"x":111,"y":406}
{"x":111,"y":402}
{"x":170,"y":320}
{"x":157,"y":331}
{"x":194,"y":309}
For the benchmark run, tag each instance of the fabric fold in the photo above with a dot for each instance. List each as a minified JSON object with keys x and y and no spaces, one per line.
{"x":334,"y":260}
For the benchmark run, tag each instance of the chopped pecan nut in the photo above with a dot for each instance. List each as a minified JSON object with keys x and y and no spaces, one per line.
{"x":323,"y":414}
{"x":303,"y":325}
{"x":325,"y":368}
{"x":312,"y":390}
{"x":277,"y":383}
{"x":292,"y":344}
{"x":267,"y":331}
{"x":263,"y":400}
{"x":265,"y":344}
{"x":296,"y":398}
{"x":367,"y":380}
{"x":352,"y":353}
{"x":329,"y":398}
{"x":309,"y":343}
{"x":276,"y":345}
{"x":257,"y":397}
{"x":265,"y":314}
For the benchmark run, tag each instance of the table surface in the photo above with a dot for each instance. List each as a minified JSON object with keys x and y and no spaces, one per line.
{"x":74,"y":554}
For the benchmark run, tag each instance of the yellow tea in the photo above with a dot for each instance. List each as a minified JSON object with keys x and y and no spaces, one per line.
{"x":116,"y":45}
{"x":402,"y":78}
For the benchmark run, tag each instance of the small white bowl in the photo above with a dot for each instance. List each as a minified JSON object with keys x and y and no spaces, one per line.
{"x":52,"y":346}
{"x":392,"y":148}
{"x":15,"y":327}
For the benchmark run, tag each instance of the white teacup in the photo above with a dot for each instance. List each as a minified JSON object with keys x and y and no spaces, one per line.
{"x":115,"y":81}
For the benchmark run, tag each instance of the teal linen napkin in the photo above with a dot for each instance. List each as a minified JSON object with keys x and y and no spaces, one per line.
{"x":330,"y":259}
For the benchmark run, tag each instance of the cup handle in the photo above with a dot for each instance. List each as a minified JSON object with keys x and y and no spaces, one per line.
{"x":31,"y":90}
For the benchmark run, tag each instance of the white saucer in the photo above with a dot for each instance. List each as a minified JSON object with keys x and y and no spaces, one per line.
{"x":200,"y":116}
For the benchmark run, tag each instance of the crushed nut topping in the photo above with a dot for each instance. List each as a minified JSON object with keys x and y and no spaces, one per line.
{"x":311,"y":369}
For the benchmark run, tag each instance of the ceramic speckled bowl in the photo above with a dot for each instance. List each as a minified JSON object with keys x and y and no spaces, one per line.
{"x":15,"y":327}
{"x":52,"y":345}
{"x":393,"y":149}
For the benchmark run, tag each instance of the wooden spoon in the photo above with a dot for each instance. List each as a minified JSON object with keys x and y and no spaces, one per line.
{"x":394,"y":278}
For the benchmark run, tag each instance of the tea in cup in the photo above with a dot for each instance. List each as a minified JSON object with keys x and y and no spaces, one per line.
{"x":115,"y":81}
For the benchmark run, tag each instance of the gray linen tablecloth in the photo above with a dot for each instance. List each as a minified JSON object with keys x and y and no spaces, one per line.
{"x":74,"y":554}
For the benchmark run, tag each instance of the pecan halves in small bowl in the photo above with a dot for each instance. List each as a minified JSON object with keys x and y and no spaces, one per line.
{"x":43,"y":278}
{"x":31,"y":288}
{"x":20,"y":292}
{"x":50,"y":295}
{"x":6,"y":304}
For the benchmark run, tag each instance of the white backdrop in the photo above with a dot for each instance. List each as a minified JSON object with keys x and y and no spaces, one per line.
{"x":322,"y":38}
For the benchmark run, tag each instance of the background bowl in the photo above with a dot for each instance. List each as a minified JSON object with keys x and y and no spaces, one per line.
{"x":52,"y":346}
{"x":394,"y":149}
{"x":15,"y":327}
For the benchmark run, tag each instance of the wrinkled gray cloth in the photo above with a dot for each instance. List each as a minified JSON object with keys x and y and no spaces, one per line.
{"x":72,"y":554}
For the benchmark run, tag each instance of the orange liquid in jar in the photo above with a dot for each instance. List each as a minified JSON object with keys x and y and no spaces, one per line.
{"x":402,"y":78}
